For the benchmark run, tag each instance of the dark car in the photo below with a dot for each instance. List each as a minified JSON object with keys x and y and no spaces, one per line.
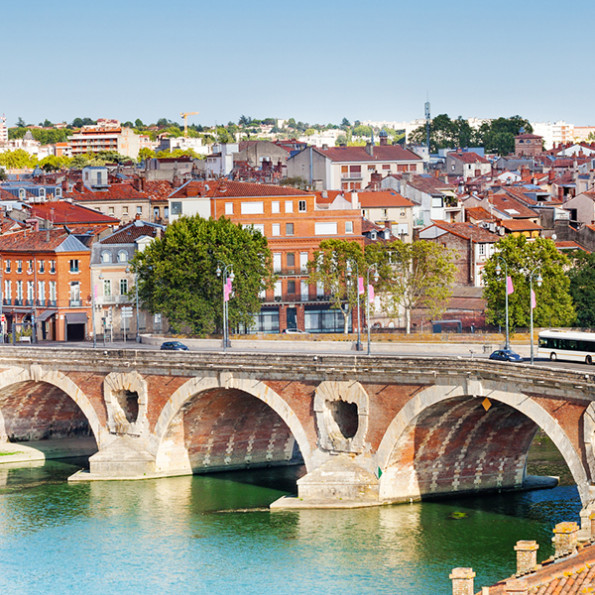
{"x":506,"y":355}
{"x":174,"y":346}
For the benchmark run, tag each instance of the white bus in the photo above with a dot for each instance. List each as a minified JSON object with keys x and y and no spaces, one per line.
{"x":572,"y":346}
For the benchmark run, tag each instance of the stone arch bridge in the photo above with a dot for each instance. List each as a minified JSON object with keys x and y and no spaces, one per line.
{"x":370,"y":430}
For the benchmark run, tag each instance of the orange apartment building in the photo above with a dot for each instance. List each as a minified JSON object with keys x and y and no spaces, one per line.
{"x":294,"y":225}
{"x":45,"y":285}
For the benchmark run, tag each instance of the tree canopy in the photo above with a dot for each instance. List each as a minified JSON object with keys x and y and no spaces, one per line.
{"x":582,"y":288}
{"x":413,"y":275}
{"x":177,"y":274}
{"x":334,"y":266}
{"x":553,"y":300}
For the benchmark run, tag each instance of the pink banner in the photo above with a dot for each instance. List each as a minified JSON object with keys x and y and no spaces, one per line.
{"x":370,"y":293}
{"x":227,"y":290}
{"x":360,"y":285}
{"x":533,"y":300}
{"x":509,"y":286}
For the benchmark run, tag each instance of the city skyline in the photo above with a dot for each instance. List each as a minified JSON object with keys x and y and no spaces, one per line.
{"x":318,"y":65}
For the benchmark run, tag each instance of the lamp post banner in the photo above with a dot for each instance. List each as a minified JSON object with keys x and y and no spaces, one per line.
{"x":509,"y":286}
{"x":360,"y":285}
{"x":371,"y":293}
{"x":533,"y":300}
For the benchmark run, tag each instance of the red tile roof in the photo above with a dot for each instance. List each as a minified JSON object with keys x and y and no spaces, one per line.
{"x":513,"y":207}
{"x":382,"y":198}
{"x":430,"y":184}
{"x":122,"y":191}
{"x":380,"y":153}
{"x":229,"y":189}
{"x":479,"y":214}
{"x":63,"y":212}
{"x":520,"y":225}
{"x":27,"y":240}
{"x":468,"y":231}
{"x":468,"y":157}
{"x":130,"y":233}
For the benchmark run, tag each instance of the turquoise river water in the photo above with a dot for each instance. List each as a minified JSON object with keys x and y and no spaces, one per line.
{"x":215,"y":535}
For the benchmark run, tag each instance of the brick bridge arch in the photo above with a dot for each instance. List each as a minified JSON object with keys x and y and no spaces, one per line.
{"x":424,"y":401}
{"x":35,"y":373}
{"x":166,"y":453}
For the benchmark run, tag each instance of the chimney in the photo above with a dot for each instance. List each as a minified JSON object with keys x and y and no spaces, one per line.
{"x":565,"y":538}
{"x":462,"y":581}
{"x":370,"y":149}
{"x":526,"y":556}
{"x":354,"y":201}
{"x":516,"y":587}
{"x":383,"y":140}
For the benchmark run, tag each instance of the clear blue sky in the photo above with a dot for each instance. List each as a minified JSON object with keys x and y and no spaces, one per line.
{"x":316,"y":61}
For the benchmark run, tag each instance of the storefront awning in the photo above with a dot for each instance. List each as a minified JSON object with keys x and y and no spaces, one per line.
{"x":45,"y":315}
{"x":76,"y":318}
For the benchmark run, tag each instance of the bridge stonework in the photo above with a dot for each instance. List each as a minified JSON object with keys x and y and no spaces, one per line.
{"x":369,"y":430}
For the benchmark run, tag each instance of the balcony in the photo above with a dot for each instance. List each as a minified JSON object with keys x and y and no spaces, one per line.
{"x":75,"y":303}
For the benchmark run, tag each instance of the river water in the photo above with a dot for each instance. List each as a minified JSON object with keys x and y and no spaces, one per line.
{"x":214,"y":534}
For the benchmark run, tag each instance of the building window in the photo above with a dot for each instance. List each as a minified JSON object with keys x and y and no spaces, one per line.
{"x":276,"y":229}
{"x":139,"y":210}
{"x":302,"y":206}
{"x":124,"y":210}
{"x":291,"y":286}
{"x":29,"y":267}
{"x":20,"y":291}
{"x":176,"y":208}
{"x":252,"y":208}
{"x":348,"y":226}
{"x":41,"y":266}
{"x":277,"y":262}
{"x":22,"y":194}
{"x":7,"y":266}
{"x":53,"y":291}
{"x":344,"y":169}
{"x":19,"y":266}
{"x":74,"y":266}
{"x":290,"y":259}
{"x":110,"y":210}
{"x":289,"y":206}
{"x":106,"y":256}
{"x":7,"y":290}
{"x":40,"y":292}
{"x":304,"y":262}
{"x":228,"y":208}
{"x":325,"y":228}
{"x":107,"y":288}
{"x":123,"y":286}
{"x":155,"y":212}
{"x":75,"y":293}
{"x":289,"y":229}
{"x":122,"y":256}
{"x":30,"y":291}
{"x":52,"y":266}
{"x":275,"y":207}
{"x":482,"y":249}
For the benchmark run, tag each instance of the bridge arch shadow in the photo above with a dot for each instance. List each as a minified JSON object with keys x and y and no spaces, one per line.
{"x":444,"y":441}
{"x":47,"y":414}
{"x":227,"y":423}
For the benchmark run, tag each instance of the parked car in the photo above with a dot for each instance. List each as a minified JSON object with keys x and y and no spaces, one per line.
{"x":174,"y":346}
{"x":294,"y":331}
{"x":506,"y":355}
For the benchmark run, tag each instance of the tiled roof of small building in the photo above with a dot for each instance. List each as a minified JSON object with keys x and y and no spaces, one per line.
{"x":64,"y":212}
{"x":468,"y":157}
{"x":512,"y":206}
{"x":520,"y":225}
{"x":121,"y":191}
{"x":430,"y":184}
{"x":468,"y":231}
{"x":130,"y":233}
{"x":379,"y":153}
{"x":231,"y":189}
{"x":52,"y":240}
{"x":382,"y":198}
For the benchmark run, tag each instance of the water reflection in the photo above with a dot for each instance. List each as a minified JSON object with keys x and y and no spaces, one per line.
{"x":215,"y":534}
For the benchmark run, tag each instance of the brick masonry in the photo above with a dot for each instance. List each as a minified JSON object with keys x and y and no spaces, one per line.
{"x":416,"y":427}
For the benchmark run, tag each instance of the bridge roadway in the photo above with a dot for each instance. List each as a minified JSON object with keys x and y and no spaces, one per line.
{"x":370,"y":430}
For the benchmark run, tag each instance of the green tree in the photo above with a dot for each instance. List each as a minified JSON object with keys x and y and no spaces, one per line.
{"x":345,"y":123}
{"x":54,"y":163}
{"x":497,"y":136}
{"x":362,"y":131}
{"x":21,"y":123}
{"x":17,"y":159}
{"x":582,"y":288}
{"x":330,"y":266}
{"x":138,"y":123}
{"x":413,"y":275}
{"x":554,"y":303}
{"x":177,"y":273}
{"x":146,"y":153}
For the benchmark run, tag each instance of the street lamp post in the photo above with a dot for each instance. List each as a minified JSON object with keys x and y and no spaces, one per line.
{"x":370,"y":269}
{"x":539,"y":280}
{"x":226,"y":271}
{"x":498,"y":271}
{"x":128,"y":270}
{"x":358,"y":344}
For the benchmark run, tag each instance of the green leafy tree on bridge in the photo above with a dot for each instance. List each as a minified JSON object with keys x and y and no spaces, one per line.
{"x":412,"y":275}
{"x":333,"y":265}
{"x":177,"y":274}
{"x":554,"y":305}
{"x":582,"y":288}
